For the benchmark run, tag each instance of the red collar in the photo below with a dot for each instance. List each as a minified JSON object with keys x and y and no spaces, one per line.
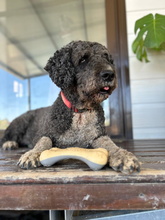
{"x":68,"y":103}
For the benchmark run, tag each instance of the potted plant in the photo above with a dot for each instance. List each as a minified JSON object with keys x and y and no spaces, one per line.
{"x":150,"y":31}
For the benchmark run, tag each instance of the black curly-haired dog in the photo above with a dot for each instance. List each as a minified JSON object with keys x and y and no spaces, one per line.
{"x":86,"y":75}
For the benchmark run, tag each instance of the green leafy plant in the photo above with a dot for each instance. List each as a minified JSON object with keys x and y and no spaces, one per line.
{"x":150,"y":32}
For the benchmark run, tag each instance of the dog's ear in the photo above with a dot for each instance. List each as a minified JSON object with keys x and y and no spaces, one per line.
{"x":60,"y":67}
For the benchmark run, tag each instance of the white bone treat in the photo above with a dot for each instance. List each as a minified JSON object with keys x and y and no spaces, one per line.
{"x":94,"y":158}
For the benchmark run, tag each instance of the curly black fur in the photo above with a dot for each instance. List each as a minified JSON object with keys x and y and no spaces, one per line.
{"x":75,"y":68}
{"x":61,"y":69}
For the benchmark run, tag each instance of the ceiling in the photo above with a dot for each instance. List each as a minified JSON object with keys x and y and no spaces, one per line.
{"x":32,"y":30}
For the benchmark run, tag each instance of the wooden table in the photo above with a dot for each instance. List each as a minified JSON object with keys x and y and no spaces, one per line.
{"x":73,"y":186}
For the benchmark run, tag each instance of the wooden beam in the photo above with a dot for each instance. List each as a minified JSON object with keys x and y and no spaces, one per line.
{"x":82,"y":197}
{"x":120,"y":101}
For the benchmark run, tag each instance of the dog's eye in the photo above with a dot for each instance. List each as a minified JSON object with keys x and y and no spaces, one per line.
{"x":84,"y":59}
{"x":106,"y":56}
{"x":109,"y":58}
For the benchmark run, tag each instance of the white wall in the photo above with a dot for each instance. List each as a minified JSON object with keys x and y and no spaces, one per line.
{"x":147,"y":79}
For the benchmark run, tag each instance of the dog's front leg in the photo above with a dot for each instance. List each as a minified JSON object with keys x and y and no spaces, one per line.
{"x":31,"y":158}
{"x":119,"y":159}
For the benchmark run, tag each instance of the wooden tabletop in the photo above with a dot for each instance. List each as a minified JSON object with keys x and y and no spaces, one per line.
{"x":71,"y":185}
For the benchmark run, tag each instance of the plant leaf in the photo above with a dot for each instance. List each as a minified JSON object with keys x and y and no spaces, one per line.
{"x":150,"y":32}
{"x":162,"y":46}
{"x":156,"y":32}
{"x":142,"y":22}
{"x":138,"y":40}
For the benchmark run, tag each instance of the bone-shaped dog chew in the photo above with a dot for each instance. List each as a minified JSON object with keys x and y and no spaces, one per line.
{"x":94,"y":158}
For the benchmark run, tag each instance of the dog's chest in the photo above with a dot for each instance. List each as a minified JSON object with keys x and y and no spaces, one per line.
{"x":82,"y":131}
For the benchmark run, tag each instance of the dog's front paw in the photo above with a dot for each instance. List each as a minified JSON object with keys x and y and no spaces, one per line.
{"x":124,"y":161}
{"x":29,"y":160}
{"x":10,"y":145}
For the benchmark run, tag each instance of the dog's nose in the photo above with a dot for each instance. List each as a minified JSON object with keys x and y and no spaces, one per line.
{"x":107,"y":75}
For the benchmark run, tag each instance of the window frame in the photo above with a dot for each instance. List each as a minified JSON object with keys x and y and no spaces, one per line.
{"x":120,"y":100}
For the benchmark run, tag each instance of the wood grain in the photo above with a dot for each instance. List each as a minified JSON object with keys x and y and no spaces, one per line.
{"x":71,"y":184}
{"x":83,"y":197}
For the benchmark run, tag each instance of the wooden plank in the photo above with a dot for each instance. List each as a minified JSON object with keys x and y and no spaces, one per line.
{"x":154,"y":142}
{"x":149,"y":154}
{"x":116,"y":106}
{"x":143,"y":71}
{"x":72,"y":185}
{"x":151,"y":158}
{"x":150,"y":133}
{"x":60,"y":175}
{"x":148,"y":115}
{"x":146,"y":6}
{"x":82,"y":197}
{"x":142,"y":146}
{"x":148,"y":91}
{"x":156,"y":159}
{"x":147,"y":149}
{"x":154,"y":166}
{"x":120,"y":102}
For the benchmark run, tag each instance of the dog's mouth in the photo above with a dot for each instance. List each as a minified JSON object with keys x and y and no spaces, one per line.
{"x":105,"y":90}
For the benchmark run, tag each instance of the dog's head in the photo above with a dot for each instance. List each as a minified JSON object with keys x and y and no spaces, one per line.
{"x":84,"y":71}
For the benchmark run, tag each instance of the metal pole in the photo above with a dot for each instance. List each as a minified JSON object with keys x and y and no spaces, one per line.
{"x":29,"y":94}
{"x":56,"y":215}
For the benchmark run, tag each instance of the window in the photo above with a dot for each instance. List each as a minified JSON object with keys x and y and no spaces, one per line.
{"x":43,"y":92}
{"x":13,"y":97}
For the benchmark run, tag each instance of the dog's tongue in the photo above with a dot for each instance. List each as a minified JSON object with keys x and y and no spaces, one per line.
{"x":106,"y":88}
